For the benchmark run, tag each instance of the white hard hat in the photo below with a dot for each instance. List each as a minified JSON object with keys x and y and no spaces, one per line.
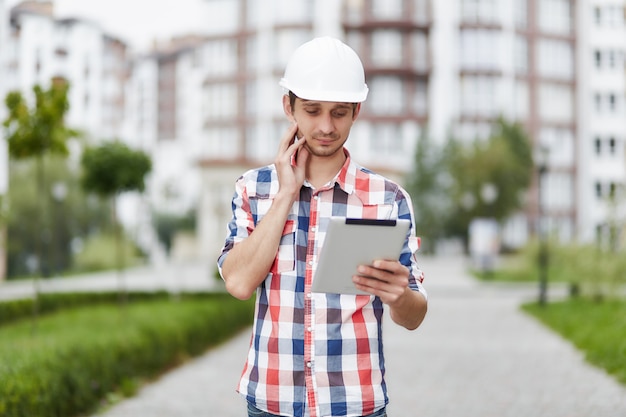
{"x":326,"y":69}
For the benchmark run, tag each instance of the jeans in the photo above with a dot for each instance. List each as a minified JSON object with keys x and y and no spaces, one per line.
{"x":255,"y":412}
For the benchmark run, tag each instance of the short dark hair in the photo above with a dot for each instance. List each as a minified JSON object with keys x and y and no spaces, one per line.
{"x":293,"y":97}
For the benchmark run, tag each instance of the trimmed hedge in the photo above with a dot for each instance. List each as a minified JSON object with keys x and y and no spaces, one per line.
{"x":13,"y":310}
{"x":75,"y":357}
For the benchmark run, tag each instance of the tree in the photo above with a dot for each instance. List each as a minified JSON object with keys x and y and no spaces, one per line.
{"x":74,"y":218}
{"x":109,"y":170}
{"x":449,"y":182}
{"x":429,"y":185}
{"x":35,"y":132}
{"x":503,"y":163}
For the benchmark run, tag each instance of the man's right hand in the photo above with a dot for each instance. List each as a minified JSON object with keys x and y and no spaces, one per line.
{"x":291,"y":176}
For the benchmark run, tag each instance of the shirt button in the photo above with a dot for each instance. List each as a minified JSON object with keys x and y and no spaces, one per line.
{"x":310,"y":262}
{"x":308,"y":364}
{"x":310,"y":329}
{"x":309,"y":295}
{"x":313,"y":229}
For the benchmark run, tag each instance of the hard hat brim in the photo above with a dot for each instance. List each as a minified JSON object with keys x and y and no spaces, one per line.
{"x":333,"y":96}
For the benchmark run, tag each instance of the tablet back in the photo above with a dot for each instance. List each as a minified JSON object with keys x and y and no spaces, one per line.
{"x":352,"y":242}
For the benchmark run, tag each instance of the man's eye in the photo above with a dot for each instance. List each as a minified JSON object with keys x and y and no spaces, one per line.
{"x":311,"y":111}
{"x":341,"y":114}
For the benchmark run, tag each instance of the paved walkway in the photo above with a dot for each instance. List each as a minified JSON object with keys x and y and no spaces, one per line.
{"x":476,"y":355}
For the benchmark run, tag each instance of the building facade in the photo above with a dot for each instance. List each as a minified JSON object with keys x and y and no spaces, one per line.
{"x":602,"y":115}
{"x":207,"y":108}
{"x":442,"y":68}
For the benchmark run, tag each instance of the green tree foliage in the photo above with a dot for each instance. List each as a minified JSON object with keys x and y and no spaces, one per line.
{"x":38,"y":130}
{"x":429,"y":185}
{"x":502,"y":162}
{"x":448,"y":182}
{"x":113,"y":168}
{"x":73,"y":219}
{"x":34,"y":132}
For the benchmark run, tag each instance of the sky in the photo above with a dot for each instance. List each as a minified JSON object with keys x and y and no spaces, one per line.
{"x":138,"y":22}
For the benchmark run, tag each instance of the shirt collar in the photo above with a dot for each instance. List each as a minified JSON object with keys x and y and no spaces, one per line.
{"x":346,"y":177}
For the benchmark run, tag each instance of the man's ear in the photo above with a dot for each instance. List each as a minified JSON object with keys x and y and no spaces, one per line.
{"x":287,"y":109}
{"x":357,"y":110}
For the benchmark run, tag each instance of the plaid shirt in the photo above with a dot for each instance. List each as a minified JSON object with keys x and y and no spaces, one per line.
{"x":313,"y":353}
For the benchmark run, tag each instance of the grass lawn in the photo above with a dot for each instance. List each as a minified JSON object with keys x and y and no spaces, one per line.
{"x":596,"y":328}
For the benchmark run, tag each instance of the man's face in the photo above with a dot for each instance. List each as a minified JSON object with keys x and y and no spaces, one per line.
{"x":324,"y":125}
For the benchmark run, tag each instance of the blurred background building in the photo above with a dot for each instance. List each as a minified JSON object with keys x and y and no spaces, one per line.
{"x":208,"y":107}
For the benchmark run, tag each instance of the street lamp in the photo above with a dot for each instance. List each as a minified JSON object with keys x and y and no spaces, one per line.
{"x":541,"y":163}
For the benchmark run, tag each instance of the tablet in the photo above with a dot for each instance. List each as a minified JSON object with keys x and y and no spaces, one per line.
{"x":353,"y":242}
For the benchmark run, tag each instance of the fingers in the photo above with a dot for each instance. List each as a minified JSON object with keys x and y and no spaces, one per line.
{"x":288,"y":137}
{"x":388,"y":276}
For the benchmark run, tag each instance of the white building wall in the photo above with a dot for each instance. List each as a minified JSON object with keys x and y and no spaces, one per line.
{"x":602,"y":97}
{"x":444,"y":85}
{"x":4,"y":88}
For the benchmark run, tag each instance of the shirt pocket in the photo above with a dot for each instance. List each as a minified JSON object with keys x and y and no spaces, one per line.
{"x":286,"y":256}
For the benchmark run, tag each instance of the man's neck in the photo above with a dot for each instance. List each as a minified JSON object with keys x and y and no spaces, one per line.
{"x":320,"y":170}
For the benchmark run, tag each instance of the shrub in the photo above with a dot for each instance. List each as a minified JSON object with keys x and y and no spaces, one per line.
{"x":79,"y":355}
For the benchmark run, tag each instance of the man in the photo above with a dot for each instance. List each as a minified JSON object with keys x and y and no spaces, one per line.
{"x":315,"y":354}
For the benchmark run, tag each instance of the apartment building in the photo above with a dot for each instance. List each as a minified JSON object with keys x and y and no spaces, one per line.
{"x":453,"y":67}
{"x":42,"y":48}
{"x":208,"y":108}
{"x":602,"y":110}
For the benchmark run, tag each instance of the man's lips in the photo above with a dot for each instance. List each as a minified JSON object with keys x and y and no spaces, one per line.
{"x":324,"y":141}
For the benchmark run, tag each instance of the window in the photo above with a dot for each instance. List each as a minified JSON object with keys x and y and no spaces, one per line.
{"x":598,"y":190}
{"x":561,"y":143}
{"x":251,"y":98}
{"x":387,"y":96}
{"x":292,"y":11}
{"x":222,"y":142}
{"x":388,"y":9}
{"x":420,"y":51}
{"x":480,"y":49}
{"x":387,"y":48}
{"x":597,"y":13}
{"x":221,"y":100}
{"x":386,"y":139}
{"x":555,"y":59}
{"x":521,"y":55}
{"x":221,"y":56}
{"x":521,"y":14}
{"x":598,"y":146}
{"x":598,"y":59}
{"x":612,"y":59}
{"x":480,"y":11}
{"x":421,"y":9}
{"x":554,"y":16}
{"x":521,"y":100}
{"x":612,"y":103}
{"x":597,"y":102}
{"x":286,"y":42}
{"x":251,"y":53}
{"x":556,"y":103}
{"x":478,"y":96}
{"x":612,"y":147}
{"x":420,"y":99}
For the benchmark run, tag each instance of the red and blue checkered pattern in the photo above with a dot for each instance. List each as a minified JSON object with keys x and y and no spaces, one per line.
{"x":310,"y":353}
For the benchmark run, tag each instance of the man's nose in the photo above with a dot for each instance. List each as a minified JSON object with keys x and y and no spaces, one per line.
{"x":326,"y":124}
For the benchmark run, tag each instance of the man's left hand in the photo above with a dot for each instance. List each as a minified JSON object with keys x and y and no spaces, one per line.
{"x":388,"y":280}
